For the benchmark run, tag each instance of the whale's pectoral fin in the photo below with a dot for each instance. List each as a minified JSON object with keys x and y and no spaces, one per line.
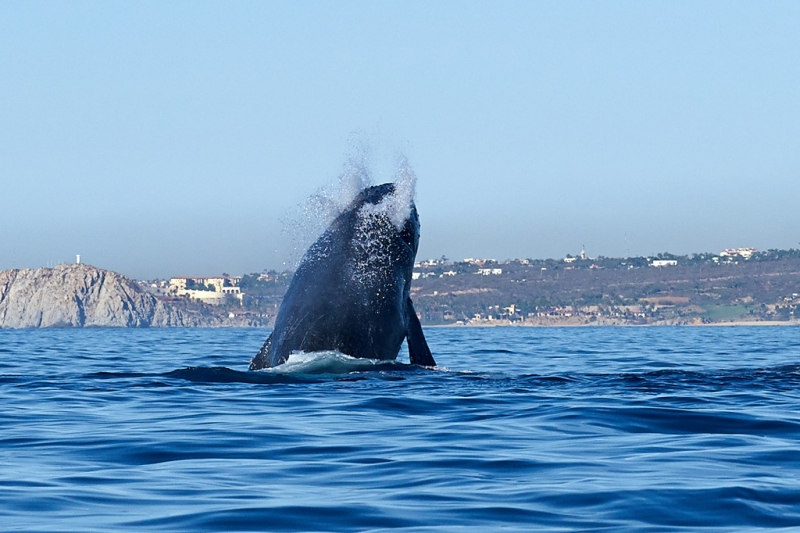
{"x":418,"y":351}
{"x":261,"y":360}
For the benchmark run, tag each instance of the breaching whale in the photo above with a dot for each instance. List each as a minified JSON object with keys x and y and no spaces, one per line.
{"x":351,"y":290}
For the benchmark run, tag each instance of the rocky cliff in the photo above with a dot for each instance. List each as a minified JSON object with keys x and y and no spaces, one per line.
{"x":85,"y":296}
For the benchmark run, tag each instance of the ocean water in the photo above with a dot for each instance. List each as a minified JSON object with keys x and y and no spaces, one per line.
{"x":647,"y":429}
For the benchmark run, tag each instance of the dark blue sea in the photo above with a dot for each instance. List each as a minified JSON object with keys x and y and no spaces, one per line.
{"x":518,"y":429}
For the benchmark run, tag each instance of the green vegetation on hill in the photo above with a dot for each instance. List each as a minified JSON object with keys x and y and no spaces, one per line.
{"x":716,"y":313}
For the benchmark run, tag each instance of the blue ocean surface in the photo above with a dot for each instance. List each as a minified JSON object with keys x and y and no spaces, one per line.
{"x":646,"y":429}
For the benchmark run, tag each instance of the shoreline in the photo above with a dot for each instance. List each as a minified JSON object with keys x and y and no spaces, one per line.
{"x":737,"y":323}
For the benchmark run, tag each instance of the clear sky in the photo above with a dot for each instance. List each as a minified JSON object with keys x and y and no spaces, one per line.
{"x":176,"y":138}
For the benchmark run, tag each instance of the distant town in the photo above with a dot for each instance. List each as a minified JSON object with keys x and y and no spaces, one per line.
{"x":732,"y":286}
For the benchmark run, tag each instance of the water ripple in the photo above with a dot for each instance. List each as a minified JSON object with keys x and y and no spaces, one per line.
{"x":651,"y":429}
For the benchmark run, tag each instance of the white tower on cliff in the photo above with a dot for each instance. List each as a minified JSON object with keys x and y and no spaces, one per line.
{"x":78,"y":259}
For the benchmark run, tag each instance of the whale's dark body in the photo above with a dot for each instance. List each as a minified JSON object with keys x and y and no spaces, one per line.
{"x":351,"y":291}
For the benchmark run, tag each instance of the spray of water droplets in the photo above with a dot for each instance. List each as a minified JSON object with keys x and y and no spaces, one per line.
{"x":378,"y":225}
{"x":313,"y":216}
{"x":396,"y":206}
{"x":321,"y":208}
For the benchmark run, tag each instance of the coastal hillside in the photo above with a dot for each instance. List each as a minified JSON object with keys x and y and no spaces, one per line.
{"x":77,"y":295}
{"x":759,"y":287}
{"x":734,"y":286}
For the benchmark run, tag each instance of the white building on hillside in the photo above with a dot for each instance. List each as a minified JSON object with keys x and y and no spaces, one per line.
{"x":664,"y":262}
{"x":741,"y":252}
{"x":216,"y":288}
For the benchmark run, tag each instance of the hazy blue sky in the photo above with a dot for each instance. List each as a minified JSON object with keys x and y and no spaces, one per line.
{"x":169,"y":138}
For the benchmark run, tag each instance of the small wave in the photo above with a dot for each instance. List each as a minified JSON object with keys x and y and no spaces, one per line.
{"x":301,"y":367}
{"x":221,"y":374}
{"x":116,"y":375}
{"x":784,"y":377}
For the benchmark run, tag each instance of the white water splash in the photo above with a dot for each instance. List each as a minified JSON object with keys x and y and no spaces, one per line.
{"x":377,"y":227}
{"x":316,"y":214}
{"x":397,"y":205}
{"x":313,"y":216}
{"x":330,"y":362}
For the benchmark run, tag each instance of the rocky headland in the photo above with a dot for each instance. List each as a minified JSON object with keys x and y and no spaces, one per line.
{"x":79,"y":295}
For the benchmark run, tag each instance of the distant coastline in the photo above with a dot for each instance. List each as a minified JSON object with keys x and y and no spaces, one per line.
{"x":734,"y":286}
{"x":741,"y":287}
{"x":759,"y":323}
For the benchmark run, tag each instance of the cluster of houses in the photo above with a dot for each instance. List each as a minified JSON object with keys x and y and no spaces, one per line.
{"x":512,"y":314}
{"x":432,"y":263}
{"x":726,"y":255}
{"x":738,"y":252}
{"x":213,"y":290}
